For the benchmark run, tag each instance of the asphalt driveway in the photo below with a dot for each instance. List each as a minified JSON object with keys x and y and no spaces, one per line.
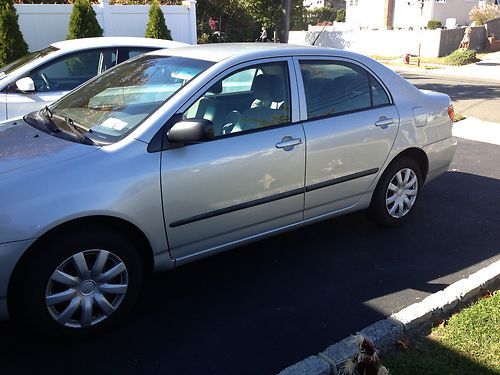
{"x":262,"y":307}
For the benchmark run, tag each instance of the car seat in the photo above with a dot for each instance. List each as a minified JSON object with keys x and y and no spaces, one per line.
{"x":268,"y":107}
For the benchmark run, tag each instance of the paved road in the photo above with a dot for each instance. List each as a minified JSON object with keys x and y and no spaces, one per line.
{"x":265,"y":306}
{"x":470,"y":97}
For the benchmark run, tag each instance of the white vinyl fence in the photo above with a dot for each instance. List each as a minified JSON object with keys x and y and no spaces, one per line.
{"x":42,"y":24}
{"x":426,"y":43}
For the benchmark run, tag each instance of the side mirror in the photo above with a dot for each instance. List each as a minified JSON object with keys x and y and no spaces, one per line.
{"x":191,"y":131}
{"x":25,"y":84}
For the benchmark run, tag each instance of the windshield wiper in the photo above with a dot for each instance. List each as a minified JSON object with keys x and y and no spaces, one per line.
{"x":49,"y":124}
{"x":47,"y":109}
{"x":79,"y":131}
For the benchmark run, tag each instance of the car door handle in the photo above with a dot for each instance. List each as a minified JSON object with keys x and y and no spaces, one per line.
{"x":384,"y":122}
{"x":288,"y":143}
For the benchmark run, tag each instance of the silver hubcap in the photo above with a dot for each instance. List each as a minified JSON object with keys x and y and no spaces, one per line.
{"x":401,"y":193}
{"x":86,"y":288}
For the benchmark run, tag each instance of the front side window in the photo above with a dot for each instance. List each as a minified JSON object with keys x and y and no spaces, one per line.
{"x":112,"y":105}
{"x":252,"y":98}
{"x":69,"y":72}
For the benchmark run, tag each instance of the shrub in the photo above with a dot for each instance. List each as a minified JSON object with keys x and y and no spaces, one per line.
{"x":340,"y":15}
{"x":12,"y":44}
{"x":461,"y":56}
{"x":434,"y":24}
{"x":83,"y":22}
{"x":483,"y":14}
{"x":156,"y":27}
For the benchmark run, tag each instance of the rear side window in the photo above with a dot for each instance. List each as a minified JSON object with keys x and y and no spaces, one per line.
{"x":127,"y":53}
{"x":379,"y":96}
{"x":339,"y":87}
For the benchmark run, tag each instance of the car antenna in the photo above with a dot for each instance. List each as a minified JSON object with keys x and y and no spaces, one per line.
{"x":323,"y":29}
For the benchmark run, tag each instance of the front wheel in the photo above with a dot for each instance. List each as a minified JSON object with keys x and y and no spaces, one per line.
{"x":78,"y":284}
{"x":396,"y":194}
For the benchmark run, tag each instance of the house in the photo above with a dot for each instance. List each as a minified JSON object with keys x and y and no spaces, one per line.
{"x":405,"y":14}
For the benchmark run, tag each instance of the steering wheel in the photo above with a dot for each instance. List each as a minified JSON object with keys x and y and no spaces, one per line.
{"x":46,"y":81}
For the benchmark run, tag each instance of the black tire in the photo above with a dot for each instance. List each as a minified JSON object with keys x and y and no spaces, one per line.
{"x":379,"y":209}
{"x":34,"y":281}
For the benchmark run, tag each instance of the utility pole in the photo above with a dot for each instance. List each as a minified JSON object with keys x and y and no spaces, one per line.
{"x":286,"y":8}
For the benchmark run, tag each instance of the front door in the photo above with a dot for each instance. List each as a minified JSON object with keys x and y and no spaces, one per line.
{"x":248,"y":180}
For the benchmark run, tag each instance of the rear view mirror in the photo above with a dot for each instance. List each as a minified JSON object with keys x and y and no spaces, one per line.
{"x":191,"y":131}
{"x":25,"y":84}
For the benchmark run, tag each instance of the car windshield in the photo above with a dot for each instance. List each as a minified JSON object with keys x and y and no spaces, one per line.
{"x":113,"y":104}
{"x":9,"y":68}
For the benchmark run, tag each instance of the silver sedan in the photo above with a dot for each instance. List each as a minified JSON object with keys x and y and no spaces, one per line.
{"x":183,"y":153}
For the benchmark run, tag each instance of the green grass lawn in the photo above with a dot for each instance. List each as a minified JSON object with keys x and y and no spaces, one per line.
{"x":467,"y":344}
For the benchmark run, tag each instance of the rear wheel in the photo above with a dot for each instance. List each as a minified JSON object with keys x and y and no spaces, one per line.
{"x":396,"y":194}
{"x":78,"y":284}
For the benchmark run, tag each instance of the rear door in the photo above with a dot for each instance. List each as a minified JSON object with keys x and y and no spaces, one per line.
{"x":350,"y":128}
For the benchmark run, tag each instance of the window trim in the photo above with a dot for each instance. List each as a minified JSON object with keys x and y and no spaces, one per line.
{"x":294,"y":99}
{"x":321,"y":59}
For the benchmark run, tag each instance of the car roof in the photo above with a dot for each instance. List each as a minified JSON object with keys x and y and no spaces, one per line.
{"x":217,"y":52}
{"x":115,"y":41}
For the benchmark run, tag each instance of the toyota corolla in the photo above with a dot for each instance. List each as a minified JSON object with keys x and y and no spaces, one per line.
{"x":183,"y":153}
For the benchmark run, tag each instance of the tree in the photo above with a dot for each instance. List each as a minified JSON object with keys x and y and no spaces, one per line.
{"x":156,"y":27}
{"x":319,"y":15}
{"x":483,"y":14}
{"x":298,"y":17}
{"x":340,"y":15}
{"x":233,"y":19}
{"x":12,"y":44}
{"x":335,"y":4}
{"x":83,"y":22}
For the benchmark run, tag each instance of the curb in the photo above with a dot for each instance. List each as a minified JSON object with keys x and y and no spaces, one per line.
{"x":414,"y":320}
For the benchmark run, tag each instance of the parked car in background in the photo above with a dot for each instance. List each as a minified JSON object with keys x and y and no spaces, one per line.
{"x":41,"y":77}
{"x":179,"y":154}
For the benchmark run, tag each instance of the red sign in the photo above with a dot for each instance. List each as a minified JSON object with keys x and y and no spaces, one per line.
{"x":211,"y":22}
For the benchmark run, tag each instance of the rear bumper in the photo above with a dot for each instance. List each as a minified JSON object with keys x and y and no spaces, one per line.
{"x":440,"y":154}
{"x":10,"y":253}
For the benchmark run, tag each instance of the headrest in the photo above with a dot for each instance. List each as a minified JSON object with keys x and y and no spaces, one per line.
{"x":268,"y":87}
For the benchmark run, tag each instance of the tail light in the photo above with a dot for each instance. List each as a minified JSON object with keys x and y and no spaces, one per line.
{"x":451,"y":112}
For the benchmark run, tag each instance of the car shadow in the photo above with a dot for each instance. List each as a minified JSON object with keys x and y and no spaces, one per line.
{"x":264,"y":306}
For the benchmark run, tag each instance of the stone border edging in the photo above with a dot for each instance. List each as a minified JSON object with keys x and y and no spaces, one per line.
{"x":414,"y":320}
